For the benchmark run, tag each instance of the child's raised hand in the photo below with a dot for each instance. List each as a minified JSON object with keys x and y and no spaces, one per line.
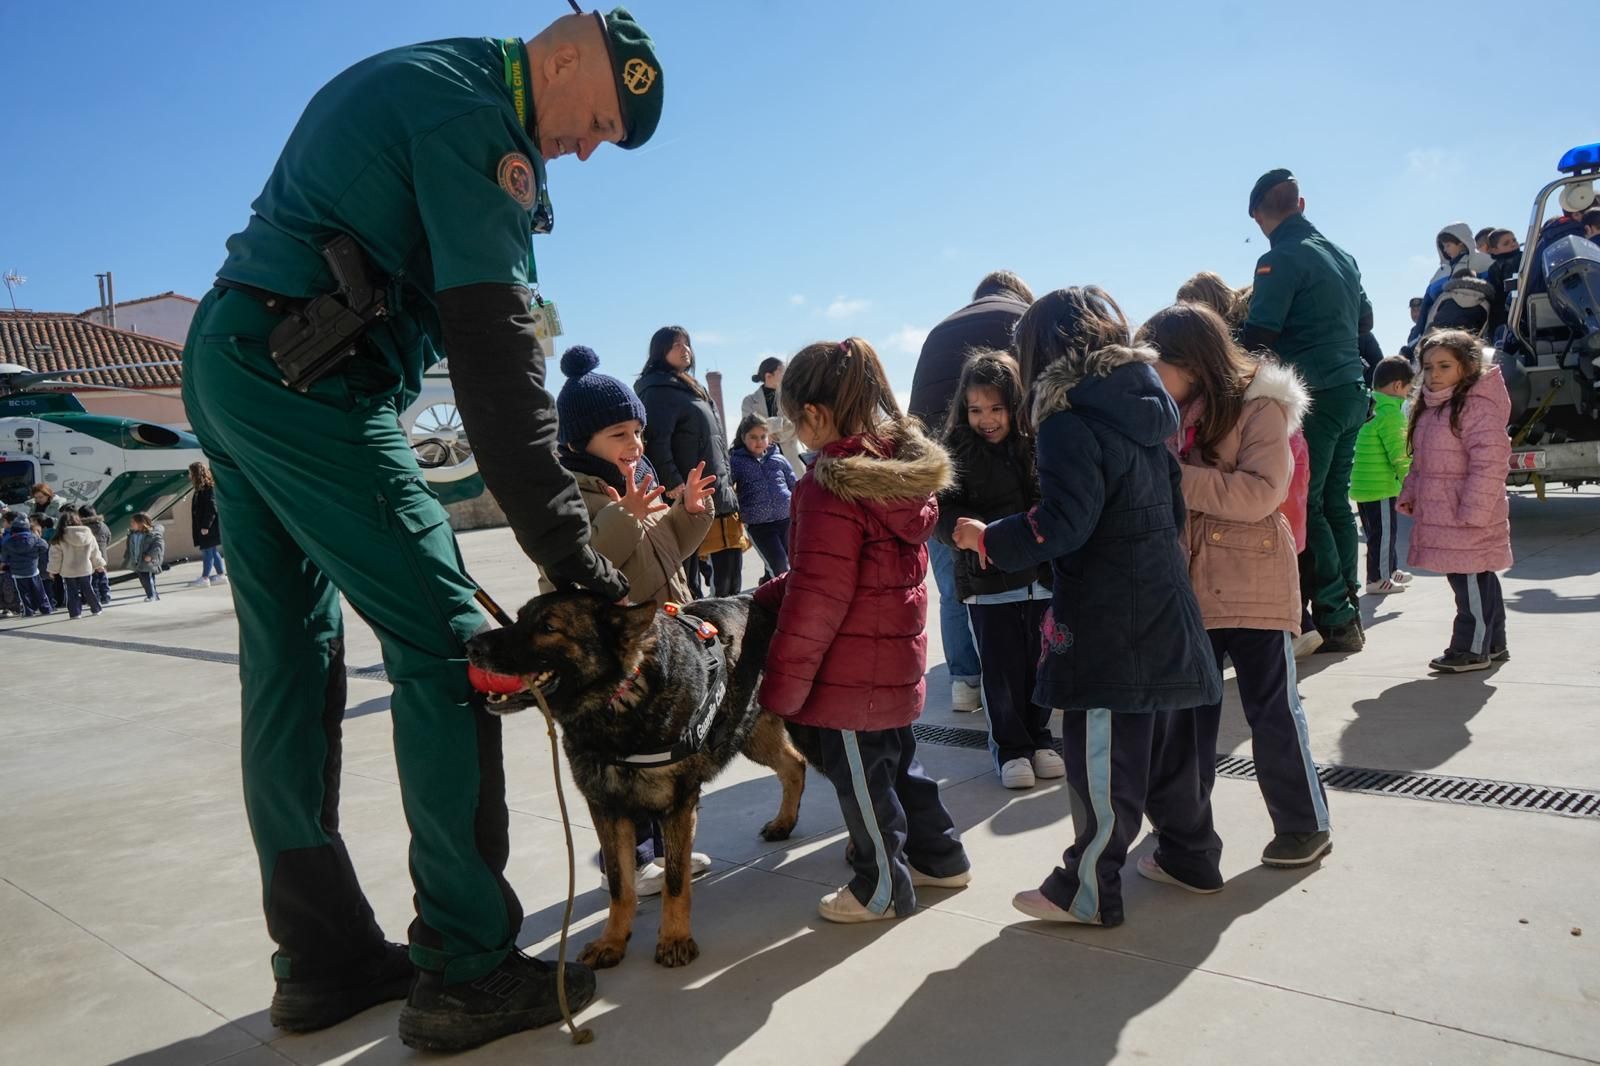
{"x":697,"y":489}
{"x":968,"y":536}
{"x":641,"y":500}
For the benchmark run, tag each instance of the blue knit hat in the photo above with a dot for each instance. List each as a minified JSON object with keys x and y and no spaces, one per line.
{"x":591,"y":401}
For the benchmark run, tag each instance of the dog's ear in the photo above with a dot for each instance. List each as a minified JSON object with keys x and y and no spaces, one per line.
{"x":631,"y":622}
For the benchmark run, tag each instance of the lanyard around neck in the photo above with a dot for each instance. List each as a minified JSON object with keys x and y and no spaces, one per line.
{"x":513,"y":53}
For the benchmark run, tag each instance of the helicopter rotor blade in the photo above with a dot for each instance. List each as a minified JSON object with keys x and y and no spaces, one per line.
{"x":79,"y":386}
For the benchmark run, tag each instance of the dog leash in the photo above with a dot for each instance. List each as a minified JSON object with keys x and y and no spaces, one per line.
{"x":584,"y":1035}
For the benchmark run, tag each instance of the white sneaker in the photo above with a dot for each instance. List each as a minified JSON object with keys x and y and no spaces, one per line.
{"x":1401,"y":577}
{"x":1017,"y":773}
{"x":965,"y":696}
{"x":1047,"y":764}
{"x":841,"y":906}
{"x":219,"y":579}
{"x":200,"y":583}
{"x":1034,"y":904}
{"x":1383,"y":588}
{"x":1150,"y":869}
{"x":650,"y":879}
{"x":1307,"y":643}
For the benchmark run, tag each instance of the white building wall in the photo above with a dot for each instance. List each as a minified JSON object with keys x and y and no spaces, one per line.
{"x":167,"y":317}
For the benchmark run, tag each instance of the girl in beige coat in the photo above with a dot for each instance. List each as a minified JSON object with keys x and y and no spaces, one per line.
{"x":1238,"y":415}
{"x":75,"y":557}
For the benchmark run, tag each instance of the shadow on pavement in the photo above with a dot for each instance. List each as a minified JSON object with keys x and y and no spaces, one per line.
{"x":1040,"y":1004}
{"x":1417,"y":725}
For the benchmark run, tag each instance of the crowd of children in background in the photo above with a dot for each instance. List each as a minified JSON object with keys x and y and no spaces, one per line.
{"x":57,"y":556}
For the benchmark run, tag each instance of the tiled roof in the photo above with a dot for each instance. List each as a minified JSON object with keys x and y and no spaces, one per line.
{"x":56,"y":341}
{"x":169,"y":294}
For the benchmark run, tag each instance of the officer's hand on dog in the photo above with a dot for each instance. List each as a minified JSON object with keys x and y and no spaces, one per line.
{"x":697,"y":489}
{"x":642,"y":500}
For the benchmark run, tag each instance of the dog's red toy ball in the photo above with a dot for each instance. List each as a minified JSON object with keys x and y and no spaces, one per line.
{"x":494,"y":684}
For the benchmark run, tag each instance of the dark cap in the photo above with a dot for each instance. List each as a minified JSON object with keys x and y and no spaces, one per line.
{"x":638,"y":74}
{"x":1264,"y":185}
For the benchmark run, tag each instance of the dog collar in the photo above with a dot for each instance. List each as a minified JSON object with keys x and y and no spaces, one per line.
{"x":693,"y":738}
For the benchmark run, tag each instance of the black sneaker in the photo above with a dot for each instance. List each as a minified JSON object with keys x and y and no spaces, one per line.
{"x":1343,"y":639}
{"x":1296,"y":849}
{"x":304,"y":1006}
{"x":518,"y":994}
{"x":1501,"y":656}
{"x":1460,"y":662}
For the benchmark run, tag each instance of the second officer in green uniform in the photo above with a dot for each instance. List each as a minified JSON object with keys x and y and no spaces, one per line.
{"x":424,"y":168}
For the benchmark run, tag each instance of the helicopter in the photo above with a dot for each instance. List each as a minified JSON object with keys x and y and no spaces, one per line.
{"x":120,"y":466}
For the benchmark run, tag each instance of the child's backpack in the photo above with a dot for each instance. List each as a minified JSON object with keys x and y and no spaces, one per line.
{"x":1464,"y":303}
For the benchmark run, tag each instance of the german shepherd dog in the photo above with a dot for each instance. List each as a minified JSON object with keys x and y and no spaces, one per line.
{"x":628,"y":680}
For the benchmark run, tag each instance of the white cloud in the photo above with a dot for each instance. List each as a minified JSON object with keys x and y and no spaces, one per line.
{"x":907,"y":339}
{"x":797,"y":300}
{"x":843,"y":308}
{"x":709,"y":337}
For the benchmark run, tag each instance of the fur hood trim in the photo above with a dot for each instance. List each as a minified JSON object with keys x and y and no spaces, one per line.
{"x":1280,"y":384}
{"x":915,"y":466}
{"x":1051,"y":388}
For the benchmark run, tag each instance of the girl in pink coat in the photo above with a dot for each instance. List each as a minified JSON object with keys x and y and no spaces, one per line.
{"x":1456,"y":493}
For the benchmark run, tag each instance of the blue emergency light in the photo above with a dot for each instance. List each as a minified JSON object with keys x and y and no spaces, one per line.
{"x":1579,"y":159}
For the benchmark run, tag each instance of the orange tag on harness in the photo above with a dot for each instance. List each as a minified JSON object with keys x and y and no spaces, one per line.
{"x":705,"y":630}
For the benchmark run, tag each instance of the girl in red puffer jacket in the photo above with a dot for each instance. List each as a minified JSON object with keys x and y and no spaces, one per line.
{"x":850,"y":648}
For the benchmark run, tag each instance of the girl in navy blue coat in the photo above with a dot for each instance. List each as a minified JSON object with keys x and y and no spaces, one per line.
{"x":764,"y":482}
{"x":1123,"y":647}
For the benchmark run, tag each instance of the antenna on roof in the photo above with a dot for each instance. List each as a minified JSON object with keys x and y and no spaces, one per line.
{"x":12,"y":280}
{"x":108,"y":300}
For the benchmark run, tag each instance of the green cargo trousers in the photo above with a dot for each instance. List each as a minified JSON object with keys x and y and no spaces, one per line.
{"x":1330,"y":430}
{"x":320,"y":494}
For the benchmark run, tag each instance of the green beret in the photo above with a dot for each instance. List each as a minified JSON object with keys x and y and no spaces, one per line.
{"x":638,"y":72}
{"x":1264,"y":185}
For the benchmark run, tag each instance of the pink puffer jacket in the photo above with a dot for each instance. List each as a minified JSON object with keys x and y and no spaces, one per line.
{"x":1456,"y":489}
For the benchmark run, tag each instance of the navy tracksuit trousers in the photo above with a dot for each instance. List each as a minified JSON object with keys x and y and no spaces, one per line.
{"x":1121,"y":766}
{"x":1480,"y":626}
{"x":893,"y":812}
{"x":1379,"y":525}
{"x":1263,"y":665}
{"x":1007,"y":638}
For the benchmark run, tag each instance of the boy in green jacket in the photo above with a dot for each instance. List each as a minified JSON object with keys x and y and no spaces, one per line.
{"x":1380,"y":469}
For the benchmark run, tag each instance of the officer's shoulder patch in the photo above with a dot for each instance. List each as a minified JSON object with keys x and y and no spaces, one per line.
{"x":1264,"y":268}
{"x":515,"y":175}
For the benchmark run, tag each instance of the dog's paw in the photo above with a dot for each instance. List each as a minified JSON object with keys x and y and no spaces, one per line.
{"x":602,"y":954}
{"x":679,"y":952}
{"x":777,"y":830}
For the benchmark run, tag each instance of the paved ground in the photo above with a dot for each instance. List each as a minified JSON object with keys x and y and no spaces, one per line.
{"x":130,"y":931}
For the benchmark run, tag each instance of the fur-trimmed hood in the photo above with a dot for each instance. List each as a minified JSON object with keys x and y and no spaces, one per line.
{"x":1118,"y":385}
{"x":912,"y":467}
{"x":1279,"y":383}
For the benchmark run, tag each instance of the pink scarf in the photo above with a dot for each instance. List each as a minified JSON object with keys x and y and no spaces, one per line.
{"x":1437,"y":397}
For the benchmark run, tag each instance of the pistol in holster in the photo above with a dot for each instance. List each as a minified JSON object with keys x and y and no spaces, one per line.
{"x":312,"y":342}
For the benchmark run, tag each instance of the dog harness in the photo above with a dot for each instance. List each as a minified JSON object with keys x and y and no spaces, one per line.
{"x":693,"y":738}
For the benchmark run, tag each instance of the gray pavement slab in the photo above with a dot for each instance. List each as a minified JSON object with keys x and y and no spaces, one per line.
{"x":129,"y":893}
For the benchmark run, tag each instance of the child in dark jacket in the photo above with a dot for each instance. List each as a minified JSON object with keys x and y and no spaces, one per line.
{"x":851,"y":645}
{"x":993,"y":453}
{"x":147,"y":550}
{"x":10,"y":599}
{"x":20,"y":548}
{"x":764,"y":482}
{"x":1123,"y":642}
{"x":102,"y":537}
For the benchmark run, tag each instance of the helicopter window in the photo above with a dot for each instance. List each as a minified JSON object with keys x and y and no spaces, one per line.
{"x":154,"y":436}
{"x":16,"y":479}
{"x":22,"y":434}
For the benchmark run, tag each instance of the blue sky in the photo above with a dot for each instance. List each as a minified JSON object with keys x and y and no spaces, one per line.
{"x":826,"y":168}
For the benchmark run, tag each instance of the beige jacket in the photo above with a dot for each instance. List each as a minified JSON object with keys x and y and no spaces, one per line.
{"x":1241,"y":550}
{"x":650,"y":554}
{"x":75,"y":553}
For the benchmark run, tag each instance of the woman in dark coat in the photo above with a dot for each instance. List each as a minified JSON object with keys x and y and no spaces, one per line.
{"x":682,"y":431}
{"x":206,"y":527}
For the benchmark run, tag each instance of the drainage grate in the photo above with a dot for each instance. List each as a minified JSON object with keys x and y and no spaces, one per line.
{"x":365,"y":673}
{"x":1439,"y":788}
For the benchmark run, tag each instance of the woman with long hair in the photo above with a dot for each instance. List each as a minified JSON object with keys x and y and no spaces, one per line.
{"x":206,"y":527}
{"x":682,"y":432}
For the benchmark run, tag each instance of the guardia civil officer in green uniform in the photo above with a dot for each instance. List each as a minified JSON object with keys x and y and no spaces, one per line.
{"x":430,"y":162}
{"x":1309,"y":307}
